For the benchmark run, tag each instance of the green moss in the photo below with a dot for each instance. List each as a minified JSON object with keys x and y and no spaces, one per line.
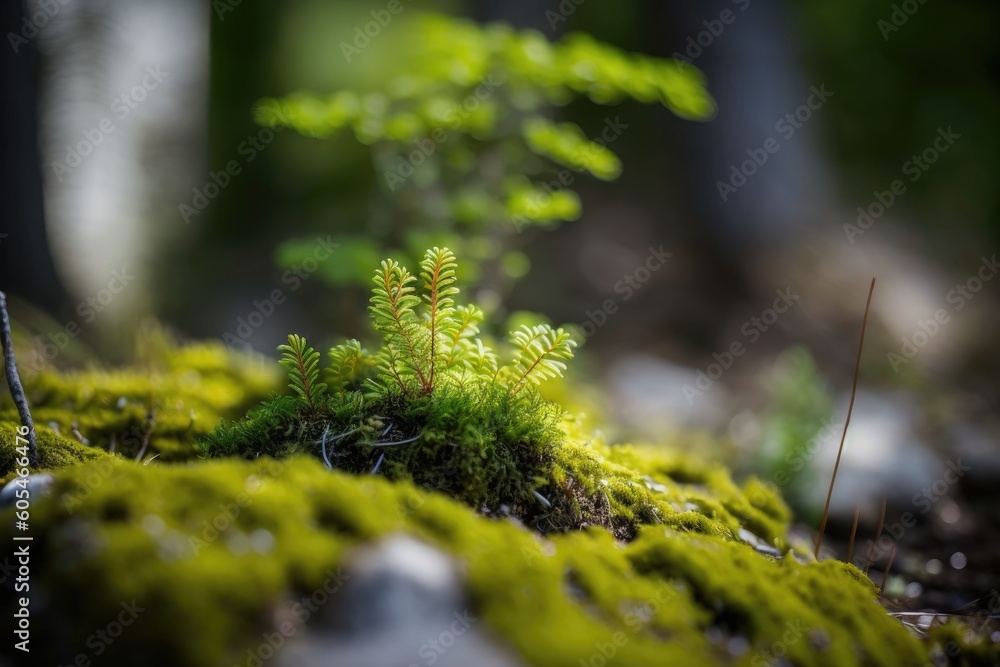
{"x":964,"y":641}
{"x":651,"y":486}
{"x":485,"y":447}
{"x":495,"y":452}
{"x":188,"y":390}
{"x":188,"y":544}
{"x":54,"y":451}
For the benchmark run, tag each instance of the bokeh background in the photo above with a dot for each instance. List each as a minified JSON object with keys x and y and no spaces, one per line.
{"x":886,"y":81}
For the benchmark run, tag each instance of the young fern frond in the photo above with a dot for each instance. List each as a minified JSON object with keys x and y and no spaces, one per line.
{"x":458,"y":348}
{"x":387,"y":360}
{"x":348,"y":362}
{"x":393,"y":305}
{"x":438,"y":273}
{"x":482,"y":360}
{"x":539,"y":354}
{"x":430,"y":342}
{"x":302,"y":363}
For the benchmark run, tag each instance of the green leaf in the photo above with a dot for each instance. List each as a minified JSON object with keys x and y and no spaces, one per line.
{"x":302,"y":363}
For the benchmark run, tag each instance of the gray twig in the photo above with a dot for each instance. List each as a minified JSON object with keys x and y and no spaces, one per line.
{"x":14,"y":382}
{"x":146,"y":436}
{"x":334,"y":439}
{"x":393,"y":443}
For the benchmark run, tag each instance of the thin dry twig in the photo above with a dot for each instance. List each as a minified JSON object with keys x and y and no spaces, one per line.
{"x":885,"y":575}
{"x":854,"y":532}
{"x":878,"y":536}
{"x":14,"y":382}
{"x":150,"y":419}
{"x":393,"y":443}
{"x":326,"y":459}
{"x":850,"y":409}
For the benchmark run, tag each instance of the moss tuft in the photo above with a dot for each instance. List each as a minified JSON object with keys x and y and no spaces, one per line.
{"x":187,"y":390}
{"x":483,"y":446}
{"x":54,"y":451}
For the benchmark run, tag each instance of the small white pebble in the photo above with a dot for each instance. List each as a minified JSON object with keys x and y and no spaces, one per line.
{"x":737,"y":646}
{"x":262,"y":541}
{"x":237,"y":542}
{"x":153,"y":525}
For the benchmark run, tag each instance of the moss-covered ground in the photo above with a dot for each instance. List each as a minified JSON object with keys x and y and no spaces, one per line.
{"x":160,"y":407}
{"x":640,"y":554}
{"x":209,"y":552}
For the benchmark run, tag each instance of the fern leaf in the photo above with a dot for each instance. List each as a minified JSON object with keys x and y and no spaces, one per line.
{"x":391,"y":369}
{"x":393,"y":305}
{"x":438,"y":273}
{"x":483,"y":361}
{"x":347,"y":363}
{"x":539,"y":355}
{"x":458,"y":347}
{"x":302,"y":363}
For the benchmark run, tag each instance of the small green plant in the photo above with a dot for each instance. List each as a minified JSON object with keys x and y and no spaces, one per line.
{"x":302,"y":363}
{"x":430,"y":344}
{"x":433,"y":403}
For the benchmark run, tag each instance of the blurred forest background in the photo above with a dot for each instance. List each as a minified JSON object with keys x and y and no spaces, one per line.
{"x":874,"y":85}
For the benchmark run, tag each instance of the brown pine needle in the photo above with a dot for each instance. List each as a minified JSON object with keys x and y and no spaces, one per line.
{"x":854,"y":532}
{"x":847,"y":422}
{"x":885,"y":577}
{"x":878,"y":536}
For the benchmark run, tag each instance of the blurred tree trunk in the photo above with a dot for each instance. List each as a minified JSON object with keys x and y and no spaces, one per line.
{"x":26,"y":266}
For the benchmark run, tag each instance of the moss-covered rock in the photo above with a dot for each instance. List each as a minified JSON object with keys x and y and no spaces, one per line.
{"x":508,"y":456}
{"x":160,"y":406}
{"x":54,"y":451}
{"x":209,"y":552}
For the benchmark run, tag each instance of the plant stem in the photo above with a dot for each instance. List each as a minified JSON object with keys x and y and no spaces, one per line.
{"x":14,"y":382}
